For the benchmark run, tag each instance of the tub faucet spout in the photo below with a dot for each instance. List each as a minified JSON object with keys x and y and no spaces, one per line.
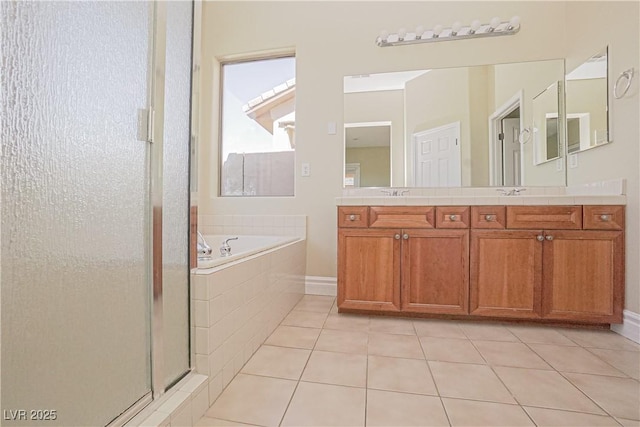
{"x":204,"y":250}
{"x":225,"y":249}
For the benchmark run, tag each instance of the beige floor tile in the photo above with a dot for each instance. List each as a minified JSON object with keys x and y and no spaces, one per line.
{"x":546,"y":389}
{"x":628,"y":423}
{"x":618,"y":396}
{"x":347,"y":322}
{"x":343,"y":341}
{"x":477,"y":382}
{"x":390,"y":325}
{"x":305,"y":319}
{"x":395,"y":346}
{"x":626,"y":361}
{"x":253,"y":400}
{"x":438,"y":328}
{"x":293,"y":336}
{"x":487,"y":332}
{"x":554,"y":417}
{"x":336,"y":368}
{"x":600,"y":339}
{"x":403,"y":375}
{"x":512,"y":354}
{"x":385,"y":408}
{"x":280,"y":362}
{"x":574,"y":359}
{"x":450,"y":350}
{"x":540,"y":335}
{"x":473,"y":413}
{"x":326,"y":405}
{"x":334,"y":308}
{"x":216,"y":422}
{"x":317,"y":303}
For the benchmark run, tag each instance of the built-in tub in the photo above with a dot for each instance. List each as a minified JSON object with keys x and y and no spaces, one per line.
{"x":243,"y":247}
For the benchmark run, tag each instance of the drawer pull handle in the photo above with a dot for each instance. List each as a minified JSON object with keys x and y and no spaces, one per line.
{"x":605,"y":217}
{"x":540,"y":238}
{"x":405,"y":236}
{"x":490,"y":217}
{"x":549,"y":238}
{"x":453,"y":217}
{"x":352,"y":217}
{"x":397,"y":237}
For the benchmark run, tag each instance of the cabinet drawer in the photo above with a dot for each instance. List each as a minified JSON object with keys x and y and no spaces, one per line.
{"x":488,"y":217}
{"x":401,"y":216}
{"x":353,"y":216}
{"x":452,"y":217}
{"x":547,"y":217}
{"x":603,"y":217}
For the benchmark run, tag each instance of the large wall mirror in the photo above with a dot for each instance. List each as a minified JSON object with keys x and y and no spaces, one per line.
{"x":457,"y":126}
{"x":587,"y":104}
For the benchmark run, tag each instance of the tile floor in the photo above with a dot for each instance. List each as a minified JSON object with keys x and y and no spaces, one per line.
{"x":321,"y":368}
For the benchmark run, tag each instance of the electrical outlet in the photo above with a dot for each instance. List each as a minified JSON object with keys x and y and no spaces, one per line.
{"x":573,"y":160}
{"x":306,"y":169}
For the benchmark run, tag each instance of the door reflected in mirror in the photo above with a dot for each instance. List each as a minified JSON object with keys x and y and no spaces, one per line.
{"x":587,"y":104}
{"x":367,"y":154}
{"x":547,"y":134}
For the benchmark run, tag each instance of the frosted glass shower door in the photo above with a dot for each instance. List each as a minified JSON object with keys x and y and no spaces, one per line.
{"x":75,"y":229}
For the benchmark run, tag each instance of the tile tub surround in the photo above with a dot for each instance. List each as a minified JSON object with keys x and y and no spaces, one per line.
{"x":238,"y":305}
{"x":256,"y":225}
{"x":321,"y":368}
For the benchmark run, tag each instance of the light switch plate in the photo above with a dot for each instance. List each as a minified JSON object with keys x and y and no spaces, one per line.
{"x":332,"y":128}
{"x":306,"y":169}
{"x":573,"y":160}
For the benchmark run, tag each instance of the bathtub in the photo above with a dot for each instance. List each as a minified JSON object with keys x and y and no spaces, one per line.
{"x":244,"y":247}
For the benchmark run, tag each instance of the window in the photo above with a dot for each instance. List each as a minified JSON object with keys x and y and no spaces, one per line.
{"x":257,"y":147}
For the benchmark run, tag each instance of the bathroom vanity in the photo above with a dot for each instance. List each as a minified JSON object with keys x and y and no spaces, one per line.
{"x":546,"y":263}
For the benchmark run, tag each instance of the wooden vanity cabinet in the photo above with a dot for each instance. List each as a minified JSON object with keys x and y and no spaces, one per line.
{"x":555,"y":263}
{"x":388,"y":266}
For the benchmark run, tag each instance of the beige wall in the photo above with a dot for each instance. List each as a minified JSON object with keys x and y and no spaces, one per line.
{"x":334,"y":39}
{"x":591,"y":26}
{"x":382,"y":106}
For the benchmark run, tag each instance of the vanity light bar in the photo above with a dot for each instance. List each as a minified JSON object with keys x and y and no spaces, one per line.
{"x":456,"y":32}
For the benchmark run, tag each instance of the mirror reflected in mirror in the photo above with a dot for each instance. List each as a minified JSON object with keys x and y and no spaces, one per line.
{"x":587,"y":104}
{"x":547,"y":140}
{"x":454,"y":127}
{"x":367,"y":154}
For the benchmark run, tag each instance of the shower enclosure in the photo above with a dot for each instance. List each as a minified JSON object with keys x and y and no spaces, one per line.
{"x":95,"y":217}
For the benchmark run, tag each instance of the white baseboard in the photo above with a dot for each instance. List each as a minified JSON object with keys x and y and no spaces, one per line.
{"x":630,"y":327}
{"x":320,"y":285}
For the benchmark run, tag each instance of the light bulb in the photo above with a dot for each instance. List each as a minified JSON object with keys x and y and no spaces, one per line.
{"x":401,"y":34}
{"x":474,"y":26}
{"x":419,"y":32}
{"x":384,"y":35}
{"x":495,"y":21}
{"x":514,"y":22}
{"x":455,"y":28}
{"x":437,"y":30}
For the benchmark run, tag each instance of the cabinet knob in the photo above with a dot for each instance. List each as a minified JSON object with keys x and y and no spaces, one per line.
{"x":540,"y":238}
{"x":549,"y":238}
{"x":405,"y":236}
{"x":605,"y":217}
{"x":397,"y":237}
{"x":352,"y":217}
{"x":453,"y":217}
{"x":489,"y":217}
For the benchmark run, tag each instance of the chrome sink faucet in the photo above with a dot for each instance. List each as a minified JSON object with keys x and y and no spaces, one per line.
{"x":204,"y":250}
{"x":394,"y":192}
{"x":512,"y":192}
{"x":225,"y":249}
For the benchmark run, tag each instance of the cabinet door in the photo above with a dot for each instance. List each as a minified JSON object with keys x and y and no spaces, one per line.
{"x":583,"y":276}
{"x":369,"y":269}
{"x":435,"y":271}
{"x":506,"y":273}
